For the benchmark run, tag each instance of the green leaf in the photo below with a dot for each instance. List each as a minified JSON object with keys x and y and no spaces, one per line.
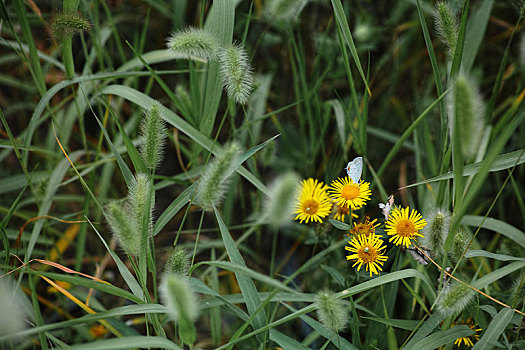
{"x":475,"y":31}
{"x":88,"y":283}
{"x":393,"y":151}
{"x":246,"y":285}
{"x":340,"y":225}
{"x":124,"y":272}
{"x":145,"y":102}
{"x":124,"y":169}
{"x":427,"y":328}
{"x":485,"y":254}
{"x":142,"y":342}
{"x":243,"y":270}
{"x":458,"y":54}
{"x":174,"y":208}
{"x":52,"y":187}
{"x":495,"y":225}
{"x":116,"y":312}
{"x":408,"y":325}
{"x":219,"y":22}
{"x":374,"y":283}
{"x":502,"y":162}
{"x":286,"y":342}
{"x":155,"y":56}
{"x":495,"y":329}
{"x":347,"y":36}
{"x":134,"y":155}
{"x":337,"y":340}
{"x":497,"y":274}
{"x":440,"y":338}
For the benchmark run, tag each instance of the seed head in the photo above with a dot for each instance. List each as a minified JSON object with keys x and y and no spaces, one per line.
{"x":178,"y":262}
{"x":447,"y":26}
{"x":194,"y":42}
{"x":124,"y":226}
{"x":279,"y":206}
{"x":465,"y":104}
{"x":215,"y":178}
{"x":436,"y":231}
{"x":454,"y":298}
{"x":331,"y":311}
{"x":68,"y":23}
{"x":153,"y":134}
{"x":236,"y":73}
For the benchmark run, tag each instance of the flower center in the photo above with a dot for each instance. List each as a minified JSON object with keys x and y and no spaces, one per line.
{"x":405,"y":228}
{"x":344,"y":210}
{"x":310,"y":206}
{"x":361,"y":229}
{"x":350,"y":192}
{"x":368,"y":254}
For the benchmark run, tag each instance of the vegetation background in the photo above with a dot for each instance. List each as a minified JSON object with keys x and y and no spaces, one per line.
{"x":322,"y":83}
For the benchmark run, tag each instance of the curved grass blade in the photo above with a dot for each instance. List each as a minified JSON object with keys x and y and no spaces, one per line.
{"x":46,"y":98}
{"x":458,"y":53}
{"x":335,"y":338}
{"x":485,"y":254}
{"x":497,"y":274}
{"x":142,"y":342}
{"x":116,"y":312}
{"x":246,"y":285}
{"x":435,"y":340}
{"x":376,"y":282}
{"x":219,"y":22}
{"x":475,"y":31}
{"x":495,"y":225}
{"x":174,"y":208}
{"x":502,"y":162}
{"x":407,"y":133}
{"x":495,"y":329}
{"x":52,"y":186}
{"x":156,"y":56}
{"x":126,"y":275}
{"x":347,"y":36}
{"x":145,"y":102}
{"x":427,"y":328}
{"x":124,"y":169}
{"x":242,"y":269}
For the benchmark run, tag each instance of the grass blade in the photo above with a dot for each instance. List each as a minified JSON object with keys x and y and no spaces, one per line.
{"x":145,"y":102}
{"x":347,"y":36}
{"x":220,"y":23}
{"x":495,"y":329}
{"x":246,"y":285}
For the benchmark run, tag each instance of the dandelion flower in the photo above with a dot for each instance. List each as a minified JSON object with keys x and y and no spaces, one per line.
{"x":313,"y":203}
{"x":347,"y":193}
{"x":341,"y":212}
{"x":468,"y":341}
{"x":404,"y":228}
{"x":368,"y":251}
{"x":365,"y":228}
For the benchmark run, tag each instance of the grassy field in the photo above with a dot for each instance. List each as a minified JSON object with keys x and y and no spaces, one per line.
{"x":262,"y":174}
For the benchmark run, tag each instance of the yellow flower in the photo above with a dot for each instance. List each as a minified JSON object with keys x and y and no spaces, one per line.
{"x":404,"y":228}
{"x":53,"y":290}
{"x":468,"y":340}
{"x":367,"y":250}
{"x":346,"y":192}
{"x":98,"y":331}
{"x":341,"y":212}
{"x":313,"y":203}
{"x":365,"y":228}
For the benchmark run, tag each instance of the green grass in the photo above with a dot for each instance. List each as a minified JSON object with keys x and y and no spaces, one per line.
{"x":332,"y":81}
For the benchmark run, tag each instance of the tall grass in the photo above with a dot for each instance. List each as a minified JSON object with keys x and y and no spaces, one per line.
{"x":152,"y":154}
